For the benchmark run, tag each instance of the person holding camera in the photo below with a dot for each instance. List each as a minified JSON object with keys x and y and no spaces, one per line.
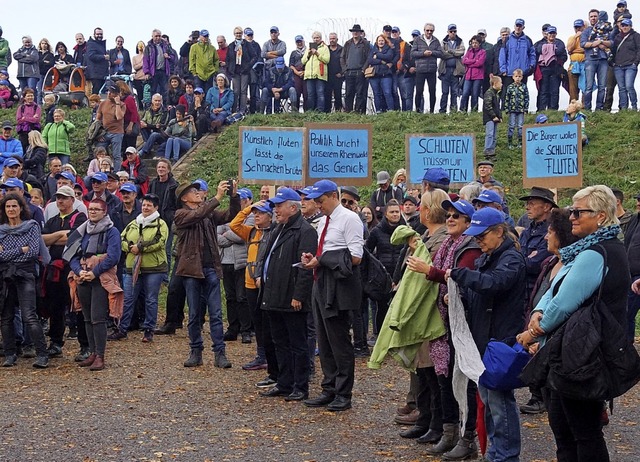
{"x":180,"y":132}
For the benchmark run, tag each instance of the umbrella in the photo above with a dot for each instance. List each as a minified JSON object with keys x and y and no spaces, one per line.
{"x":480,"y":425}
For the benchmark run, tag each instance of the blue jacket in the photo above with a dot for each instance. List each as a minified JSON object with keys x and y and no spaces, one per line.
{"x":8,"y":147}
{"x":112,"y":244}
{"x":376,"y":58}
{"x":278,"y":79}
{"x":518,"y":53}
{"x":97,"y":65}
{"x":532,"y":240}
{"x":214,"y":100}
{"x":495,"y":294}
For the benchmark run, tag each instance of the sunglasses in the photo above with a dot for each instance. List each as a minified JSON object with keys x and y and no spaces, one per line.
{"x":78,"y":193}
{"x":455,"y":216}
{"x":428,"y":30}
{"x":347,"y":202}
{"x":575,"y":213}
{"x":481,"y":236}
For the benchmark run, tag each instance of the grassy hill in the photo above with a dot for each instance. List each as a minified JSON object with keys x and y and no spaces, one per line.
{"x":610,"y":158}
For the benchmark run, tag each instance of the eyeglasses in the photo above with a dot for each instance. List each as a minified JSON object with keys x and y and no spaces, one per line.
{"x":481,"y":236}
{"x":428,"y":30}
{"x":347,"y":202}
{"x":95,"y":210}
{"x":78,"y":193}
{"x":575,"y":213}
{"x":122,"y":180}
{"x":453,"y":30}
{"x":455,"y":216}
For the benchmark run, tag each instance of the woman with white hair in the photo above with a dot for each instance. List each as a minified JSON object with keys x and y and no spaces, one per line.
{"x":220,"y":101}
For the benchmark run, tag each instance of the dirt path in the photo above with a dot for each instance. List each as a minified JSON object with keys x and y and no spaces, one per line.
{"x":146,"y":406}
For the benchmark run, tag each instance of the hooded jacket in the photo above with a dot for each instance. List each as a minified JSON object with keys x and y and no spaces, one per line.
{"x":28,"y":59}
{"x":94,"y":59}
{"x":517,"y":53}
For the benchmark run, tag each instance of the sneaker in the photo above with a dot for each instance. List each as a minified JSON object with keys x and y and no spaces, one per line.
{"x":519,"y":145}
{"x":148,"y":336}
{"x":10,"y":360}
{"x":266,"y":383}
{"x":256,"y":364}
{"x":533,"y":407}
{"x":41,"y":362}
{"x":54,"y":350}
{"x":221,"y":361}
{"x":29,"y":352}
{"x":83,"y":354}
{"x":246,"y":338}
{"x":117,"y":335}
{"x":510,"y":146}
{"x":73,"y":332}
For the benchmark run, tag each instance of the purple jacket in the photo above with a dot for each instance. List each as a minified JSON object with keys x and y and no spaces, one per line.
{"x":474,"y":60}
{"x":149,"y":58}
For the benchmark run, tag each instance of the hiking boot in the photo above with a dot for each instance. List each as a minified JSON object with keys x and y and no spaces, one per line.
{"x":41,"y":362}
{"x":82,"y":354}
{"x":117,"y":335}
{"x":221,"y":361}
{"x":98,"y":363}
{"x":534,"y":406}
{"x":465,"y":449}
{"x":194,"y":359}
{"x":148,"y":336}
{"x":450,"y":434}
{"x":10,"y":360}
{"x":54,"y":350}
{"x":256,"y":364}
{"x":29,"y":352}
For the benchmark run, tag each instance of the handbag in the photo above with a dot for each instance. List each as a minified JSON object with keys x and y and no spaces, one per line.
{"x":504,"y":361}
{"x":369,"y":72}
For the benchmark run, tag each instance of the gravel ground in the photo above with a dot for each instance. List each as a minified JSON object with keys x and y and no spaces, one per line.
{"x":147,"y":407}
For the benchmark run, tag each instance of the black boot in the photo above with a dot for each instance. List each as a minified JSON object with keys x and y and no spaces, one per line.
{"x":167,"y":328}
{"x":450,"y":434}
{"x":194,"y":359}
{"x":465,"y":449}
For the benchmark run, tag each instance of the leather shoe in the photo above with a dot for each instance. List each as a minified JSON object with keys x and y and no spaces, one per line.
{"x":414,"y":432}
{"x":166,"y":329}
{"x":296,"y":396}
{"x":431,"y":437}
{"x":340,"y":403}
{"x":409,"y":419}
{"x":230,"y":337}
{"x":275,"y":391}
{"x":322,"y":400}
{"x":404,"y":410}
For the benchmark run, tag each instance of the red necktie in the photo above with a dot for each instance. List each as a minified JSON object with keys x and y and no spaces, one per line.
{"x":322,"y":236}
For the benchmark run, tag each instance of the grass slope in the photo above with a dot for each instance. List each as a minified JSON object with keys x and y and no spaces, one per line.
{"x":610,"y":158}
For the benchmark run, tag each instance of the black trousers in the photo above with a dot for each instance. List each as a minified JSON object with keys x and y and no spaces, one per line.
{"x":57,"y":305}
{"x":356,"y":88}
{"x":238,"y":314}
{"x":428,"y":399}
{"x":176,"y":298}
{"x":289,"y":333}
{"x":333,"y":89}
{"x":430,"y":77}
{"x":262,"y":326}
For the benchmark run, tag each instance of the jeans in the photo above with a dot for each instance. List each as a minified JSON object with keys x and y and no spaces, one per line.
{"x":503,"y":424}
{"x":450,"y":86}
{"x":595,"y":68}
{"x":64,"y":158}
{"x":29,"y":82}
{"x":406,"y":84}
{"x":355,"y":89}
{"x":209,"y":286}
{"x":158,"y":83}
{"x":289,"y":332}
{"x":154,"y":137}
{"x":220,"y":116}
{"x":204,"y":84}
{"x":21,"y":295}
{"x":240,"y":92}
{"x":315,"y":91}
{"x":382,"y":87}
{"x":267,"y":96}
{"x":430,"y":77}
{"x":151,"y":283}
{"x":490,"y":130}
{"x":626,"y":77}
{"x":516,"y":119}
{"x":95,"y":309}
{"x":549,"y":88}
{"x":174,"y":147}
{"x":470,"y":88}
{"x":115,"y":140}
{"x":577,"y":429}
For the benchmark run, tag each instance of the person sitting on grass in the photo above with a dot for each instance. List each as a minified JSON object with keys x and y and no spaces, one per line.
{"x":574,"y":114}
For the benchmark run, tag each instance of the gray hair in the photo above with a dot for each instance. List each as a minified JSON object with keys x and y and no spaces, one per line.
{"x":315,"y":32}
{"x":429,"y":24}
{"x":156,"y":31}
{"x":157,"y":95}
{"x":470,"y":191}
{"x":296,"y":204}
{"x":505,"y":29}
{"x":600,"y":198}
{"x":27,"y":38}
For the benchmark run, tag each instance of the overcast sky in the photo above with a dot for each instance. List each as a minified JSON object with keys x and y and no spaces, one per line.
{"x":135,"y":20}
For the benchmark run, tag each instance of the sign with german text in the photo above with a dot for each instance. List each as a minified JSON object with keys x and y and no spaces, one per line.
{"x":455,"y":153}
{"x":339,"y":152}
{"x":552,"y":155}
{"x":271,"y":155}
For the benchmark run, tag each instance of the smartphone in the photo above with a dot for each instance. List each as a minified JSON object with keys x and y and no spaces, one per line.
{"x":313,"y":46}
{"x":230,"y":188}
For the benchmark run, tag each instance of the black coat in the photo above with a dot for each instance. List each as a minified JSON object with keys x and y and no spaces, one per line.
{"x":379,"y":244}
{"x":282,"y":282}
{"x":495,"y":292}
{"x":126,"y":60}
{"x":97,"y":65}
{"x":249,"y":58}
{"x":168,"y":203}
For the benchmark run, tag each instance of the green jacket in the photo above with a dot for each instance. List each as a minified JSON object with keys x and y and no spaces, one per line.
{"x":152,"y":245}
{"x":413,"y":316}
{"x":56,"y":135}
{"x":316,"y":66}
{"x":203,"y":60}
{"x":4,"y":51}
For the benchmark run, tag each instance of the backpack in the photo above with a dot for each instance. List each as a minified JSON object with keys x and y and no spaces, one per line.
{"x":376,"y":282}
{"x":95,"y":131}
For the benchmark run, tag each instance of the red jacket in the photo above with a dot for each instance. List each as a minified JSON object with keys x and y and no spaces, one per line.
{"x":137,"y":174}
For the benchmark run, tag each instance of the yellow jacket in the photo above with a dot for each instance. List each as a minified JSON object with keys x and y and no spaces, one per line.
{"x":316,"y":66}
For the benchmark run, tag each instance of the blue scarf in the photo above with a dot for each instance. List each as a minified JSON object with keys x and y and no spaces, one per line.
{"x":570,"y":252}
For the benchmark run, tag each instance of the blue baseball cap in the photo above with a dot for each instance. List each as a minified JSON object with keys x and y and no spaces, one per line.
{"x":129,"y":187}
{"x":415,"y":32}
{"x":245,"y":193}
{"x":519,"y":22}
{"x":285,"y":194}
{"x":99,"y":176}
{"x":262,"y":208}
{"x":198,"y":90}
{"x":204,"y":33}
{"x":13,"y":183}
{"x":552,"y":30}
{"x":488,"y":196}
{"x":10,"y":162}
{"x":279,"y":62}
{"x":436,"y":175}
{"x":322,"y":187}
{"x":70,"y":176}
{"x":248,"y":31}
{"x":452,"y":27}
{"x":483,"y":219}
{"x":626,"y":22}
{"x":541,"y":119}
{"x":578,"y":23}
{"x":274,"y":29}
{"x":461,"y":206}
{"x":622,"y":3}
{"x":203,"y":185}
{"x":299,"y":38}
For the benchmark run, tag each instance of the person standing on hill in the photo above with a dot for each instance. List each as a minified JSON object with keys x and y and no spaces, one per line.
{"x":203,"y":61}
{"x":97,"y":60}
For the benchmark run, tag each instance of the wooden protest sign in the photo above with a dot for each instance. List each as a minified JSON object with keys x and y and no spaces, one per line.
{"x":339,"y":152}
{"x":552,"y":155}
{"x":455,"y":153}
